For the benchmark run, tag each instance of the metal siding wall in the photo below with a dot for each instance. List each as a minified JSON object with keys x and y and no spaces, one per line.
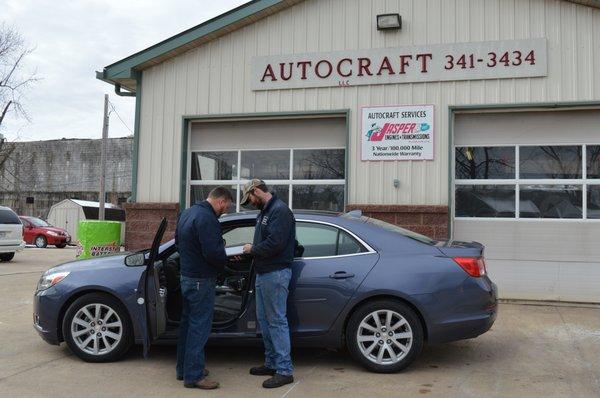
{"x":214,"y":79}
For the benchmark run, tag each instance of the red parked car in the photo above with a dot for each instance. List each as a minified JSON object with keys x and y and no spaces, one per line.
{"x":38,"y":232}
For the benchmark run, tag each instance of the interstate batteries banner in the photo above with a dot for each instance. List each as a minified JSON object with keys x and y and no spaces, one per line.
{"x":403,"y":132}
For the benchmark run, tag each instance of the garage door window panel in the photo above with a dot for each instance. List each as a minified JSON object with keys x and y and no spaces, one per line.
{"x":551,"y":201}
{"x":319,"y":164}
{"x":593,"y":161}
{"x":266,"y":165}
{"x":214,"y":165}
{"x":550,"y":162}
{"x":318,"y":197}
{"x":485,"y":162}
{"x":593,"y":202}
{"x":485,"y":201}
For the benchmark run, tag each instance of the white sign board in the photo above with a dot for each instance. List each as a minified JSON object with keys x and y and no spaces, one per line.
{"x":438,"y":62}
{"x":402,"y":132}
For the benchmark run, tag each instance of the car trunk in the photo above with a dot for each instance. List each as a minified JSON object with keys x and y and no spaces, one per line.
{"x":11,"y":229}
{"x":452,"y":248}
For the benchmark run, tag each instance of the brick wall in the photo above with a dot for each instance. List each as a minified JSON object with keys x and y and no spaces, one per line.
{"x":431,"y":221}
{"x":142,"y":221}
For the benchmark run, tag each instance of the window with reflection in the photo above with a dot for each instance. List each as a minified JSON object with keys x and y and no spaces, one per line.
{"x":593,"y":202}
{"x":321,"y":240}
{"x":318,"y":197}
{"x":319,"y":164}
{"x":550,"y":162}
{"x":485,"y":163}
{"x":593,"y":161}
{"x":485,"y":201}
{"x":551,"y":201}
{"x":266,"y":165}
{"x":214,"y":165}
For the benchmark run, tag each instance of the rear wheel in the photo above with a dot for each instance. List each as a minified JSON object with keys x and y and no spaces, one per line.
{"x":97,"y":328}
{"x":7,"y":256}
{"x":384,"y":336}
{"x":40,"y":241}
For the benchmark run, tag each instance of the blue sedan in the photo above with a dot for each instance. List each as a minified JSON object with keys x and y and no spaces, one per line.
{"x":361,"y":283}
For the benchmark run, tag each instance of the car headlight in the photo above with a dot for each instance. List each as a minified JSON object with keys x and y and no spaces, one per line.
{"x":52,"y":233}
{"x":50,"y":279}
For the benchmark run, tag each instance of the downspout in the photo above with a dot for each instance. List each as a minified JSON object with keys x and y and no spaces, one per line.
{"x":123,"y":93}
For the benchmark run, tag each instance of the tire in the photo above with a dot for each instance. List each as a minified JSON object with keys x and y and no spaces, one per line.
{"x":7,"y":256}
{"x":40,"y":241}
{"x":77,"y":328}
{"x":405,"y":342}
{"x":61,"y":246}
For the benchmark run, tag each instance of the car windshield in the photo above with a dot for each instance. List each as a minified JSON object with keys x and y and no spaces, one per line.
{"x":38,"y":222}
{"x":401,"y":231}
{"x":9,"y":217}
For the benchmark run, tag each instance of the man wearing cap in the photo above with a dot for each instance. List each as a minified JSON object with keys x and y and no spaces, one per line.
{"x":273,"y":251}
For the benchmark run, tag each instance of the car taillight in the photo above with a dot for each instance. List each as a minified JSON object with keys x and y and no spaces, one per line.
{"x":474,"y":266}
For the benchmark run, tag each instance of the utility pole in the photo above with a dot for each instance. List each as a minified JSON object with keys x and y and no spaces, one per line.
{"x":103,"y":159}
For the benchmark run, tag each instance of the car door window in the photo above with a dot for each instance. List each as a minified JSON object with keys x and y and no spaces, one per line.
{"x":239,"y":236}
{"x":321,"y":240}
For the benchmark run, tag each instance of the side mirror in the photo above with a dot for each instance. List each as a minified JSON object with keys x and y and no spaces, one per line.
{"x":135,"y":260}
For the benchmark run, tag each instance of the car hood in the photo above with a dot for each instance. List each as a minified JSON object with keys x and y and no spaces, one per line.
{"x":54,"y":229}
{"x":108,"y":261}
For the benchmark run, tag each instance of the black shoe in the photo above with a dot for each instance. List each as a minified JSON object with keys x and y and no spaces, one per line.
{"x":262,"y":371}
{"x":278,"y":381}
{"x":206,"y":373}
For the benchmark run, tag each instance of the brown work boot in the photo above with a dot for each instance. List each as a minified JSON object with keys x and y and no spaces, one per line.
{"x":203,"y":384}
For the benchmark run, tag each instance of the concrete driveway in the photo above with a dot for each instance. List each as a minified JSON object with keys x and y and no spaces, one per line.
{"x":532,"y":351}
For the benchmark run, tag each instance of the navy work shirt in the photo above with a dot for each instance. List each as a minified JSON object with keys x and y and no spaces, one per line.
{"x":200,"y":242}
{"x":274,"y":237}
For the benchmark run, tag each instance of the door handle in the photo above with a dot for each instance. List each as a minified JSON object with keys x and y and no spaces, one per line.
{"x":341,"y":275}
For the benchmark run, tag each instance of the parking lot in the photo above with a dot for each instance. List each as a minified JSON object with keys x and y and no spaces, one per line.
{"x":532,"y":350}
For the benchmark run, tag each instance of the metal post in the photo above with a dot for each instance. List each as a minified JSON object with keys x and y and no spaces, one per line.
{"x":103,"y":159}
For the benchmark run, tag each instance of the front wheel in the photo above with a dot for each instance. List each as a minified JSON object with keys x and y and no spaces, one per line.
{"x":97,"y":328}
{"x":7,"y":256}
{"x":40,"y":241}
{"x":61,"y":246}
{"x":384,"y":336}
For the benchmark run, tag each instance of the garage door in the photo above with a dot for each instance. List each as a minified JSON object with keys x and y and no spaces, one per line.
{"x":527,"y":186}
{"x":302,"y":160}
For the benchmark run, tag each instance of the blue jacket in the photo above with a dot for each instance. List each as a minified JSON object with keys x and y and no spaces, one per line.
{"x":200,"y":242}
{"x":274,"y":237}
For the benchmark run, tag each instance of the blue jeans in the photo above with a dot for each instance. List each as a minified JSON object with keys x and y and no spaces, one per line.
{"x":196,"y":323}
{"x":271,"y":305}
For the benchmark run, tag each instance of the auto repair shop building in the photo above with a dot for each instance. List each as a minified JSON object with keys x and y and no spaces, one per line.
{"x":476,"y":120}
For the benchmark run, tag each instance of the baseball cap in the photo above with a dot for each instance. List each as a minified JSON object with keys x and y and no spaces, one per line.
{"x":248,"y":187}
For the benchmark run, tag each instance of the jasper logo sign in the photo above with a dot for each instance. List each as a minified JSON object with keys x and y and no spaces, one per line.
{"x":403,"y":132}
{"x":439,"y":62}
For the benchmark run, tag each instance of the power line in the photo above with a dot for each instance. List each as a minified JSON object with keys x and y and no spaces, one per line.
{"x":119,"y":116}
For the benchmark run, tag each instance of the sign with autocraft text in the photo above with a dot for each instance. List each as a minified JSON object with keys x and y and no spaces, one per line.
{"x":402,"y":132}
{"x":438,"y":62}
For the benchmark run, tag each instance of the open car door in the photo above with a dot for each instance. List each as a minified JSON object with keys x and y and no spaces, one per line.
{"x":151,"y":296}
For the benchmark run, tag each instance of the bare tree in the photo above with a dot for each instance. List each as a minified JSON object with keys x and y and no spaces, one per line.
{"x":14,"y":81}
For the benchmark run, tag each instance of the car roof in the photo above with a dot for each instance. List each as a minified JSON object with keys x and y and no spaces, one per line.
{"x":6,"y":208}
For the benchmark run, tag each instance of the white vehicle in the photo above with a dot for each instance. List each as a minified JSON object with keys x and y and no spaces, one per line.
{"x":11,"y":234}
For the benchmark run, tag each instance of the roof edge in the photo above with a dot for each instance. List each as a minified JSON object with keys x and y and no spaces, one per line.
{"x":125,"y":68}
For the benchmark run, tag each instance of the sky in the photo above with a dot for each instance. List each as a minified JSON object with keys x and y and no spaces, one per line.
{"x":74,"y":39}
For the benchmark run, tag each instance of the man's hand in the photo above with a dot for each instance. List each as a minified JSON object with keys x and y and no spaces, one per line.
{"x":247,"y":248}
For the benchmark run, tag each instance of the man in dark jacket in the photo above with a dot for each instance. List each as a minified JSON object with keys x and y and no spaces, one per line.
{"x":273,"y":251}
{"x":201,"y":254}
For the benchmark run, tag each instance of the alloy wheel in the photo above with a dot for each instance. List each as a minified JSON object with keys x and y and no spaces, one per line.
{"x":96,"y":329}
{"x":384,"y":337}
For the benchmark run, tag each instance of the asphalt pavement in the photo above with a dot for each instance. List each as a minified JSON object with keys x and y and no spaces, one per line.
{"x":531,"y":351}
